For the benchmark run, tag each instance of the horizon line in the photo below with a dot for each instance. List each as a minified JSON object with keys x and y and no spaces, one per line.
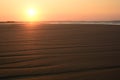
{"x":11,"y":21}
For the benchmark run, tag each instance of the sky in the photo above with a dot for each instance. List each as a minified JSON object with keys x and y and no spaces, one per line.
{"x":60,"y":10}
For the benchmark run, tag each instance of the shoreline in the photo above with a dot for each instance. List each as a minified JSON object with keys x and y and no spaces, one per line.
{"x":66,"y":22}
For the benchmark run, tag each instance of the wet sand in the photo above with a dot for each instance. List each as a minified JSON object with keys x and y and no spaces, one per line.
{"x":59,"y":52}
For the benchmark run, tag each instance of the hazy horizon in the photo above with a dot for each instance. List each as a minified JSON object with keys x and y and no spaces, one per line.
{"x":59,"y":10}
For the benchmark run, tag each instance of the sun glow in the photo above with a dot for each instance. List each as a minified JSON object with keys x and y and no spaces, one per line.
{"x":31,"y":12}
{"x":32,"y":15}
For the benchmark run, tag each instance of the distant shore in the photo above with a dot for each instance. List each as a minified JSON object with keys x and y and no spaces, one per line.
{"x":117,"y":22}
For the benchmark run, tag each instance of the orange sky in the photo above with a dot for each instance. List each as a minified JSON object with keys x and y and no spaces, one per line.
{"x":61,"y":9}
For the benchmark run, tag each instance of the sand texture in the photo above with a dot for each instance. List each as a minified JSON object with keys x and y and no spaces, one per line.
{"x":59,"y":52}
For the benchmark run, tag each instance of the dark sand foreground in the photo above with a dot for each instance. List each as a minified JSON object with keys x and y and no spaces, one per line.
{"x":59,"y":52}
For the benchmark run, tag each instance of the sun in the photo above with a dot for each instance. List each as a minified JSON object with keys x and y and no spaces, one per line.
{"x":32,"y":14}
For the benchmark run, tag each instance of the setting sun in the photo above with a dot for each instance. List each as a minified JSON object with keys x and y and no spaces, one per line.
{"x":32,"y":14}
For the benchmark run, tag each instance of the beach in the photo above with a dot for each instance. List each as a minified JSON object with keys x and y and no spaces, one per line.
{"x":59,"y":52}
